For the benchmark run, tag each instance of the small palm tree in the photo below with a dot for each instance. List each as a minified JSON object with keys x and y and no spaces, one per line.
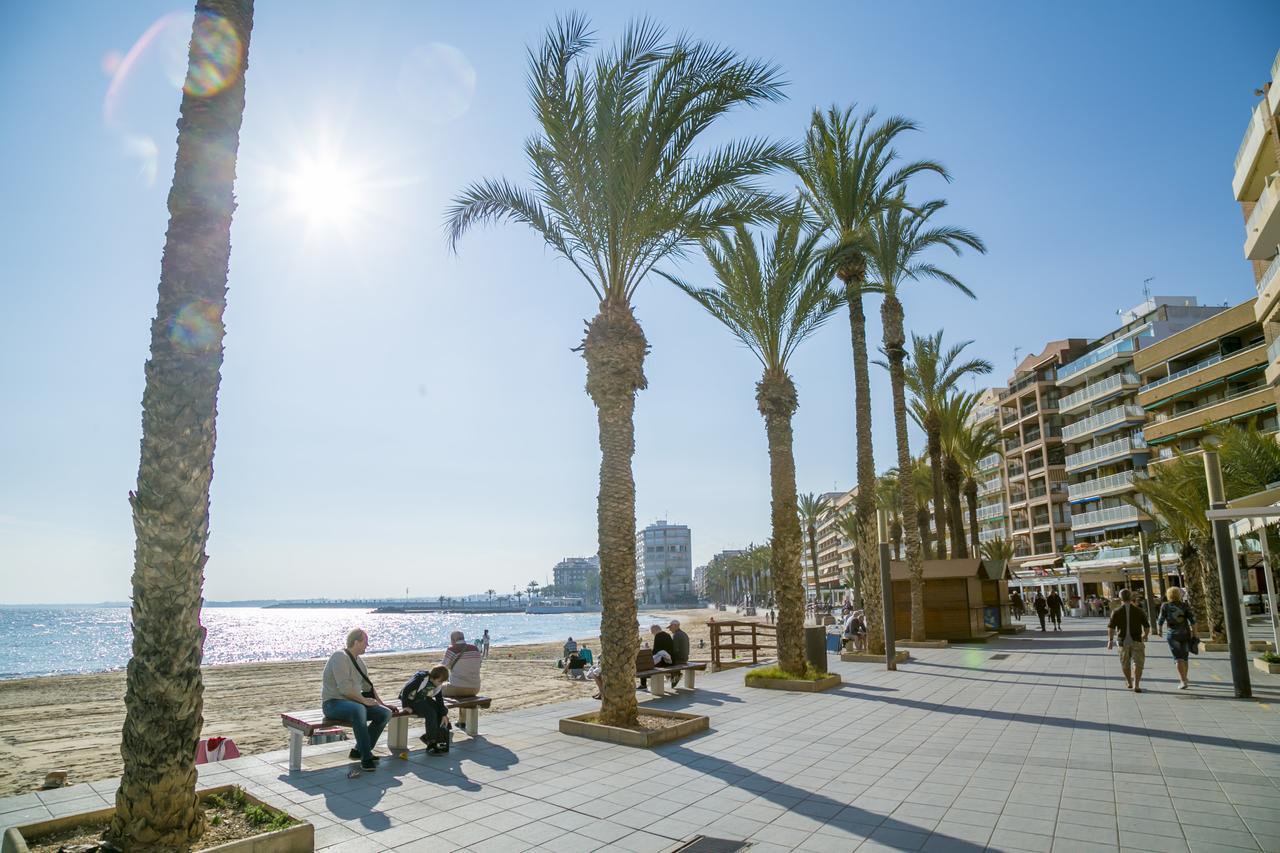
{"x":156,"y":803}
{"x":932,"y":374}
{"x":772,"y":298}
{"x":811,"y":508}
{"x":664,"y":580}
{"x":953,"y":421}
{"x":997,"y":549}
{"x":847,"y":525}
{"x":850,"y":172}
{"x":922,"y":485}
{"x":975,"y":443}
{"x":619,"y":188}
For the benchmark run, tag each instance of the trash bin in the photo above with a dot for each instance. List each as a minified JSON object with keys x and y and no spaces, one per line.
{"x":815,"y":647}
{"x":833,"y":643}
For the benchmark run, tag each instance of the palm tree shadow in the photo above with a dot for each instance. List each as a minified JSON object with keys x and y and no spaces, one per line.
{"x":689,"y":699}
{"x":811,"y":804}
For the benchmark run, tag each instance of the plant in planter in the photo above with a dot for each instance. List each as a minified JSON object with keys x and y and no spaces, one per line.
{"x":776,"y":678}
{"x":1268,"y":662}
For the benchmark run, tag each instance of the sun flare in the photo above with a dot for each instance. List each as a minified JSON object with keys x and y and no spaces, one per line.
{"x":325,"y":191}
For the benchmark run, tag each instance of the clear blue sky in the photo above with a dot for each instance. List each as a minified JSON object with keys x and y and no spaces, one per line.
{"x":392,"y":416}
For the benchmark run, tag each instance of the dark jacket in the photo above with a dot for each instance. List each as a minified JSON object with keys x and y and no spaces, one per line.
{"x":662,"y":642}
{"x":681,"y":642}
{"x":1128,"y":621}
{"x":1055,"y":602}
{"x":1041,"y":605}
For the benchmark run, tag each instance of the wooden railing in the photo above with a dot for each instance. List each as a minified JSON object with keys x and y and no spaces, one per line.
{"x":735,"y":636}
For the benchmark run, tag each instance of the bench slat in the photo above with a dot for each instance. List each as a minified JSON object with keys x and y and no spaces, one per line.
{"x":679,"y":667}
{"x":308,"y":721}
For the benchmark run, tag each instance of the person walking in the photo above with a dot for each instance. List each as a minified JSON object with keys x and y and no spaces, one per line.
{"x":1041,"y":607}
{"x":1181,"y":621}
{"x":1016,"y":605}
{"x":1055,"y":609}
{"x":484,"y":645}
{"x":1132,"y":627}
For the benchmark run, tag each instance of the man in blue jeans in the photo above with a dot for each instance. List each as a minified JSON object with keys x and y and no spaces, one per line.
{"x":348,"y":694}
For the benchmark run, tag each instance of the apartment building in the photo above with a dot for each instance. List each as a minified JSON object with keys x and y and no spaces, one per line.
{"x":572,"y":573}
{"x":1102,"y":420}
{"x":1213,"y":372}
{"x":659,"y":547}
{"x":993,"y":512}
{"x":1256,"y":185}
{"x":1034,"y":457}
{"x":830,"y":566}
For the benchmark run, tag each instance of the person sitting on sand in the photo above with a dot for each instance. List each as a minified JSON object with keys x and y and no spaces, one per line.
{"x":348,"y":694}
{"x":570,"y":647}
{"x":585,"y":653}
{"x":574,"y":666}
{"x":463,"y":661}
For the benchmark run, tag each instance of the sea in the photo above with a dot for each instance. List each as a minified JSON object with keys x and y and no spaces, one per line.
{"x":61,"y":640}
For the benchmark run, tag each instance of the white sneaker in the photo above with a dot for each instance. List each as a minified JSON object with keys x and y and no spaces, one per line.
{"x":1183,"y":686}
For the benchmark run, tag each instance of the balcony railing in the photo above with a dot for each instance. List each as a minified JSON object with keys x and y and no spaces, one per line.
{"x":1122,"y":345}
{"x":1111,"y":515}
{"x":1266,"y":200}
{"x":981,"y":413}
{"x":1094,"y":455}
{"x":1257,"y":123}
{"x":1110,"y":417}
{"x":995,"y":484}
{"x":1012,"y":444}
{"x":1099,"y":389}
{"x":1161,"y":417}
{"x":986,"y":463}
{"x":990,"y":534}
{"x":1089,"y":488}
{"x":1199,"y":365}
{"x":1122,"y":552}
{"x":1015,"y":470}
{"x":995,"y":510}
{"x":1270,"y":274}
{"x":1273,"y":351}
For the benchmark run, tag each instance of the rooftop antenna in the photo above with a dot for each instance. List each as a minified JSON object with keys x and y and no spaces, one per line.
{"x":1016,"y":350}
{"x":1146,"y":288}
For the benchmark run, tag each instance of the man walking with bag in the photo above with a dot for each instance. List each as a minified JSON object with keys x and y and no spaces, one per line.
{"x":1133,"y":627}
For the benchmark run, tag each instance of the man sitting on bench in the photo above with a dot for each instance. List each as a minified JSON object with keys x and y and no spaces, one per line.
{"x":679,"y":648}
{"x":348,"y":694}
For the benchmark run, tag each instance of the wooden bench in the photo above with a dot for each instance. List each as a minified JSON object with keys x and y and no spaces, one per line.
{"x":305,"y":723}
{"x":658,"y":681}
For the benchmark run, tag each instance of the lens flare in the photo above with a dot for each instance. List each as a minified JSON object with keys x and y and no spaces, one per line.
{"x":195,"y":327}
{"x":216,"y":54}
{"x":973,"y":658}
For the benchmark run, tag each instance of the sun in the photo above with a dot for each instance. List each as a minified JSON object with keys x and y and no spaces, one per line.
{"x":325,"y":191}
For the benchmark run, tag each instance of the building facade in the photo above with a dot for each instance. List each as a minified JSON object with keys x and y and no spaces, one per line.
{"x":833,"y":562}
{"x":571,"y":574}
{"x":661,"y":547}
{"x":993,"y":512}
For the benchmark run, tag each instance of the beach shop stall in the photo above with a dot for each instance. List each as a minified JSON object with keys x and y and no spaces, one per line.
{"x":963,"y":599}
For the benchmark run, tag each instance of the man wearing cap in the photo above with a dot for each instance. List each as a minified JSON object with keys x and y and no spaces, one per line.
{"x":680,"y":648}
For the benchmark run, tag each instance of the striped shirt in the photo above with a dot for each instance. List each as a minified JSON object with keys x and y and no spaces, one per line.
{"x":463,"y":661}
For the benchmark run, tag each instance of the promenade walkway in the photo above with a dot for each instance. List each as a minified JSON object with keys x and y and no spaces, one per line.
{"x":1024,"y":744}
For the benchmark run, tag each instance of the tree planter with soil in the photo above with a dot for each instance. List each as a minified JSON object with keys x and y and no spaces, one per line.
{"x":774,"y":678}
{"x":236,"y":822}
{"x":1268,"y":663}
{"x":654,"y":727}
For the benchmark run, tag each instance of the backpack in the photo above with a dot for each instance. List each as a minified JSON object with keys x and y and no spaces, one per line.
{"x":1178,"y":616}
{"x":409,"y":693}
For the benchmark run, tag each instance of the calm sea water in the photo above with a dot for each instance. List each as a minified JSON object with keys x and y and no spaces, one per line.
{"x":61,"y":640}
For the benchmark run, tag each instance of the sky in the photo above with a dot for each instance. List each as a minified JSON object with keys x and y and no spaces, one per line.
{"x":394,"y":416}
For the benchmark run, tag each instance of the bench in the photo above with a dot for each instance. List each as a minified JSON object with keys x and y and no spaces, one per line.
{"x":658,"y":683}
{"x":306,"y":723}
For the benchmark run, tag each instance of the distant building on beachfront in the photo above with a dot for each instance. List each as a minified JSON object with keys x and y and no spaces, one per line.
{"x":659,"y":547}
{"x":572,"y":574}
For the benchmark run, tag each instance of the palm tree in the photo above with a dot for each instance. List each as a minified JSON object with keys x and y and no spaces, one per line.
{"x":953,"y":420}
{"x":850,"y":529}
{"x":931,"y":376}
{"x":489,"y":592}
{"x":922,"y":485}
{"x":850,"y":173}
{"x":975,"y":443}
{"x":900,"y":236}
{"x":618,"y":188}
{"x":156,"y":805}
{"x":811,"y":507}
{"x":664,"y":578}
{"x":997,"y":549}
{"x":889,"y":501}
{"x":772,"y":298}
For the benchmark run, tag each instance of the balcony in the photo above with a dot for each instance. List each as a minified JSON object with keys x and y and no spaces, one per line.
{"x":1097,"y":358}
{"x":1012,"y":444}
{"x":1121,"y":555}
{"x":983,"y":413}
{"x":1255,"y":140}
{"x":1186,"y":371}
{"x":991,"y":534}
{"x":1015,"y":470}
{"x":1021,"y":524}
{"x":995,"y":510}
{"x":1262,"y":230}
{"x":1101,"y":486}
{"x":1099,"y":390}
{"x":1240,"y":404}
{"x":1273,"y":369}
{"x":995,"y":484}
{"x":1102,"y":517}
{"x":987,"y":463}
{"x":1268,"y":291}
{"x":1095,"y":456}
{"x":1212,"y":369}
{"x":1102,"y":420}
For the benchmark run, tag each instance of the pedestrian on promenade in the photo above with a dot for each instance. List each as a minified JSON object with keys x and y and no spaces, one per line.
{"x":1055,"y":609}
{"x":1041,"y":606}
{"x":1132,"y":626}
{"x":484,"y":644}
{"x":1181,"y":621}
{"x":1017,"y":605}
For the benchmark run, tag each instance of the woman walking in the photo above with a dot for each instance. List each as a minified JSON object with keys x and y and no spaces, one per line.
{"x":1177,"y":614}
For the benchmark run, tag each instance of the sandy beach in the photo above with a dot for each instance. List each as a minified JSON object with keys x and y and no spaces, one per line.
{"x":73,"y":722}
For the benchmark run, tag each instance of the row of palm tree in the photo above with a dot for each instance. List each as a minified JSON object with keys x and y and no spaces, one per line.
{"x":733,"y":576}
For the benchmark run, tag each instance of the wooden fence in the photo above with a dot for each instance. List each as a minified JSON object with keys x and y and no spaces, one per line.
{"x":733,"y":636}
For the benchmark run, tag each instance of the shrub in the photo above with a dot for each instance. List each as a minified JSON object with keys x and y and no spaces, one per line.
{"x":809,"y":674}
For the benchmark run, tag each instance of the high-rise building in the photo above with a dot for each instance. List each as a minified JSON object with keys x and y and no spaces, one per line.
{"x":661,"y":547}
{"x":571,"y":573}
{"x":1102,"y":420}
{"x":1256,"y":184}
{"x":993,"y":512}
{"x":828,"y":541}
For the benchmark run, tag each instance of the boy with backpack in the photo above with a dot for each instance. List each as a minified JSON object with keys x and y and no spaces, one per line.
{"x":424,"y":695}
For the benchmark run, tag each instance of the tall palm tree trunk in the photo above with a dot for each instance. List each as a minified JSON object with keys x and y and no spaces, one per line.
{"x":1192,"y":571}
{"x":933,"y":442}
{"x":865,"y":502}
{"x":156,"y":805}
{"x":895,"y":349}
{"x":813,"y":561}
{"x":971,"y":495}
{"x":951,"y":477}
{"x":614,"y":349}
{"x":776,"y":399}
{"x":1213,"y":596}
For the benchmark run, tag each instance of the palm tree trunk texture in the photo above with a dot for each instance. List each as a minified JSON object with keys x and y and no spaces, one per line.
{"x":933,"y":442}
{"x":1192,"y":571}
{"x":813,"y":561}
{"x":1213,"y":596}
{"x":864,"y":504}
{"x":971,"y":496}
{"x":951,"y":476}
{"x":895,"y":349}
{"x":776,"y":399}
{"x":156,"y":805}
{"x":614,"y":349}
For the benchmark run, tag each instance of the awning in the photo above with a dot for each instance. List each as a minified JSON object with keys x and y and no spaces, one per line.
{"x":1041,"y":563}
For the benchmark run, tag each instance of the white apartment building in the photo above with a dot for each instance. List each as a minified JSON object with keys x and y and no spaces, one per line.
{"x":664,"y":546}
{"x":1256,"y":185}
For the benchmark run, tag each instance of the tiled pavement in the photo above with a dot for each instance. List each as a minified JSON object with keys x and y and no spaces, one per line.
{"x":957,"y":751}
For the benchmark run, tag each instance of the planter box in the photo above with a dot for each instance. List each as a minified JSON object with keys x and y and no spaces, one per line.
{"x":1253,"y":646}
{"x":579,"y":726}
{"x":296,"y":839}
{"x":1272,"y":668}
{"x":795,"y":684}
{"x":863,"y":657}
{"x":923,"y":644}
